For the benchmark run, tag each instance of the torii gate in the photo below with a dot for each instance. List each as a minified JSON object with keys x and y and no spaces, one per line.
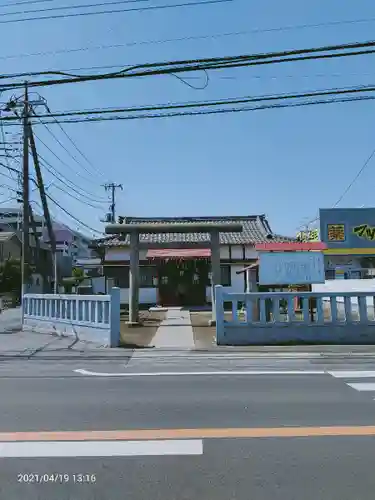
{"x":134,"y":230}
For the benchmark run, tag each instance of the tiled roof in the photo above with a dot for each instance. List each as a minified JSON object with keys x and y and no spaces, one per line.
{"x":255,"y":229}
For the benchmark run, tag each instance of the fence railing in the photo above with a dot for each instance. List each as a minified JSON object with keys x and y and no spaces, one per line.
{"x":275,"y":310}
{"x":88,"y":317}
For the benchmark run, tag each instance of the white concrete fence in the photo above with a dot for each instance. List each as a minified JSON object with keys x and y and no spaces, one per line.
{"x":94,"y":318}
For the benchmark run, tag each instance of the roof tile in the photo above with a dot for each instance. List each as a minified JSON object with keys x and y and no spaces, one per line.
{"x":255,"y":229}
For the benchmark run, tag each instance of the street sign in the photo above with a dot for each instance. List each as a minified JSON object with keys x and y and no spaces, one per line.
{"x":291,"y":268}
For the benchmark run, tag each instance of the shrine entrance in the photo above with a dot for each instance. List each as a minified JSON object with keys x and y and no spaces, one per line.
{"x":182,"y":282}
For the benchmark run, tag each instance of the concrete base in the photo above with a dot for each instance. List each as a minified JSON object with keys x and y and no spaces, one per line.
{"x":345,"y":334}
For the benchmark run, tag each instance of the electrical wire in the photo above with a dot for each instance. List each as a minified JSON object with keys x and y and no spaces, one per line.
{"x":70,"y":168}
{"x":72,"y":216}
{"x":24,"y":2}
{"x":113,"y":11}
{"x":186,"y":38}
{"x":203,"y":104}
{"x":67,"y":150}
{"x":171,"y":67}
{"x":74,"y":6}
{"x":207,"y":63}
{"x":84,"y":202}
{"x":4,"y":142}
{"x":64,"y":180}
{"x":356,"y":177}
{"x":217,"y":111}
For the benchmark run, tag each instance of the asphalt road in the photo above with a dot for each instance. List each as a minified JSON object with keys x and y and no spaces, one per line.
{"x":227,"y":412}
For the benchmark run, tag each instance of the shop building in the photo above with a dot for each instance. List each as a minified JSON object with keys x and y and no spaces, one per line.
{"x":349,"y":234}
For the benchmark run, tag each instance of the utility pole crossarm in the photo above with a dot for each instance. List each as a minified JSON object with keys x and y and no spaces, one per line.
{"x":112,"y":188}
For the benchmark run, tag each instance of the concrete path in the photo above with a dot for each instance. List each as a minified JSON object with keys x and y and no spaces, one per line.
{"x":10,"y":320}
{"x":175,"y":330}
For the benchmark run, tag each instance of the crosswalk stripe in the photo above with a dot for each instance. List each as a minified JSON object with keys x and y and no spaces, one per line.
{"x":352,"y":374}
{"x":363,"y":387}
{"x":100,"y":448}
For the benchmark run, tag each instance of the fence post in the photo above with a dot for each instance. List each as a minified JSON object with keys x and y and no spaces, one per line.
{"x":219,"y":314}
{"x":212,"y":321}
{"x":115,"y":318}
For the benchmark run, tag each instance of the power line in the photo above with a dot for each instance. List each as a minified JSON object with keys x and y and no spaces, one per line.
{"x":113,"y":11}
{"x":74,"y":6}
{"x":211,"y":60}
{"x":349,"y":186}
{"x":65,"y":181}
{"x":25,"y":2}
{"x":84,"y":202}
{"x":64,"y":163}
{"x":358,"y":174}
{"x":77,"y":148}
{"x":67,"y":150}
{"x":217,"y":111}
{"x":174,"y":110}
{"x":72,"y":216}
{"x":182,"y":66}
{"x":202,"y":104}
{"x":187,"y":38}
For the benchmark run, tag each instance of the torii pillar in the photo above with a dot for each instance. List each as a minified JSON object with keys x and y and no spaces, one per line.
{"x":134,"y":230}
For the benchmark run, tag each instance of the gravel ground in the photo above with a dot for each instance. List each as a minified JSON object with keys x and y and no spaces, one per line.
{"x":142,"y":335}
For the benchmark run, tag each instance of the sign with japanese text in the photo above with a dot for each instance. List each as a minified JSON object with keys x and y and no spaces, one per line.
{"x":291,"y":268}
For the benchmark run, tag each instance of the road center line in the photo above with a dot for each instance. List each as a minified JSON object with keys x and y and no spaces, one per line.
{"x":100,"y":448}
{"x":200,"y":373}
{"x":78,"y":437}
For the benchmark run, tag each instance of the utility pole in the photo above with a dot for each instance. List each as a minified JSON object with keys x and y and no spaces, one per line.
{"x":47,"y":216}
{"x":112,"y":188}
{"x":26,"y":194}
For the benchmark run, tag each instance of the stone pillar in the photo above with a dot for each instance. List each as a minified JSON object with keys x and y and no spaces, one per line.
{"x":215,"y":269}
{"x":134,"y":279}
{"x":215,"y":258}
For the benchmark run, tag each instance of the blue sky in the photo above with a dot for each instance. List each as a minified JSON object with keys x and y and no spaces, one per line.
{"x":285,"y":163}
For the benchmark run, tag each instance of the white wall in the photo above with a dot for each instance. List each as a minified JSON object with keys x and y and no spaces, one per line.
{"x":146,"y":295}
{"x":337,"y":286}
{"x":237,"y":280}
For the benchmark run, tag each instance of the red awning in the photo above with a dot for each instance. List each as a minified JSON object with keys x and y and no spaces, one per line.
{"x":291,"y":246}
{"x":179,"y":253}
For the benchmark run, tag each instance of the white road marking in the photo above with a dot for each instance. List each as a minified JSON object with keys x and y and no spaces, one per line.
{"x":145,"y":356}
{"x":364,"y":387}
{"x":100,"y":448}
{"x":353,"y":374}
{"x":197,"y":373}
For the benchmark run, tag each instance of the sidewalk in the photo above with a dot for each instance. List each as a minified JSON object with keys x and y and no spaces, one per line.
{"x":30,"y":345}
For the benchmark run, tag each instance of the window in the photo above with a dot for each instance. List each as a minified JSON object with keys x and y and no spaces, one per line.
{"x":146,"y":276}
{"x":226,"y":275}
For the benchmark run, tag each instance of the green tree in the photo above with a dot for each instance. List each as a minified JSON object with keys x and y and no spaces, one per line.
{"x":11,"y":277}
{"x":79,"y":274}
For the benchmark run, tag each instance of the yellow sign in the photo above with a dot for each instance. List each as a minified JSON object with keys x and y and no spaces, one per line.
{"x":336,"y":232}
{"x":365,"y":231}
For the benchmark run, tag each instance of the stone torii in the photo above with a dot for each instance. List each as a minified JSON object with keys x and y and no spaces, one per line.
{"x":134,"y":230}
